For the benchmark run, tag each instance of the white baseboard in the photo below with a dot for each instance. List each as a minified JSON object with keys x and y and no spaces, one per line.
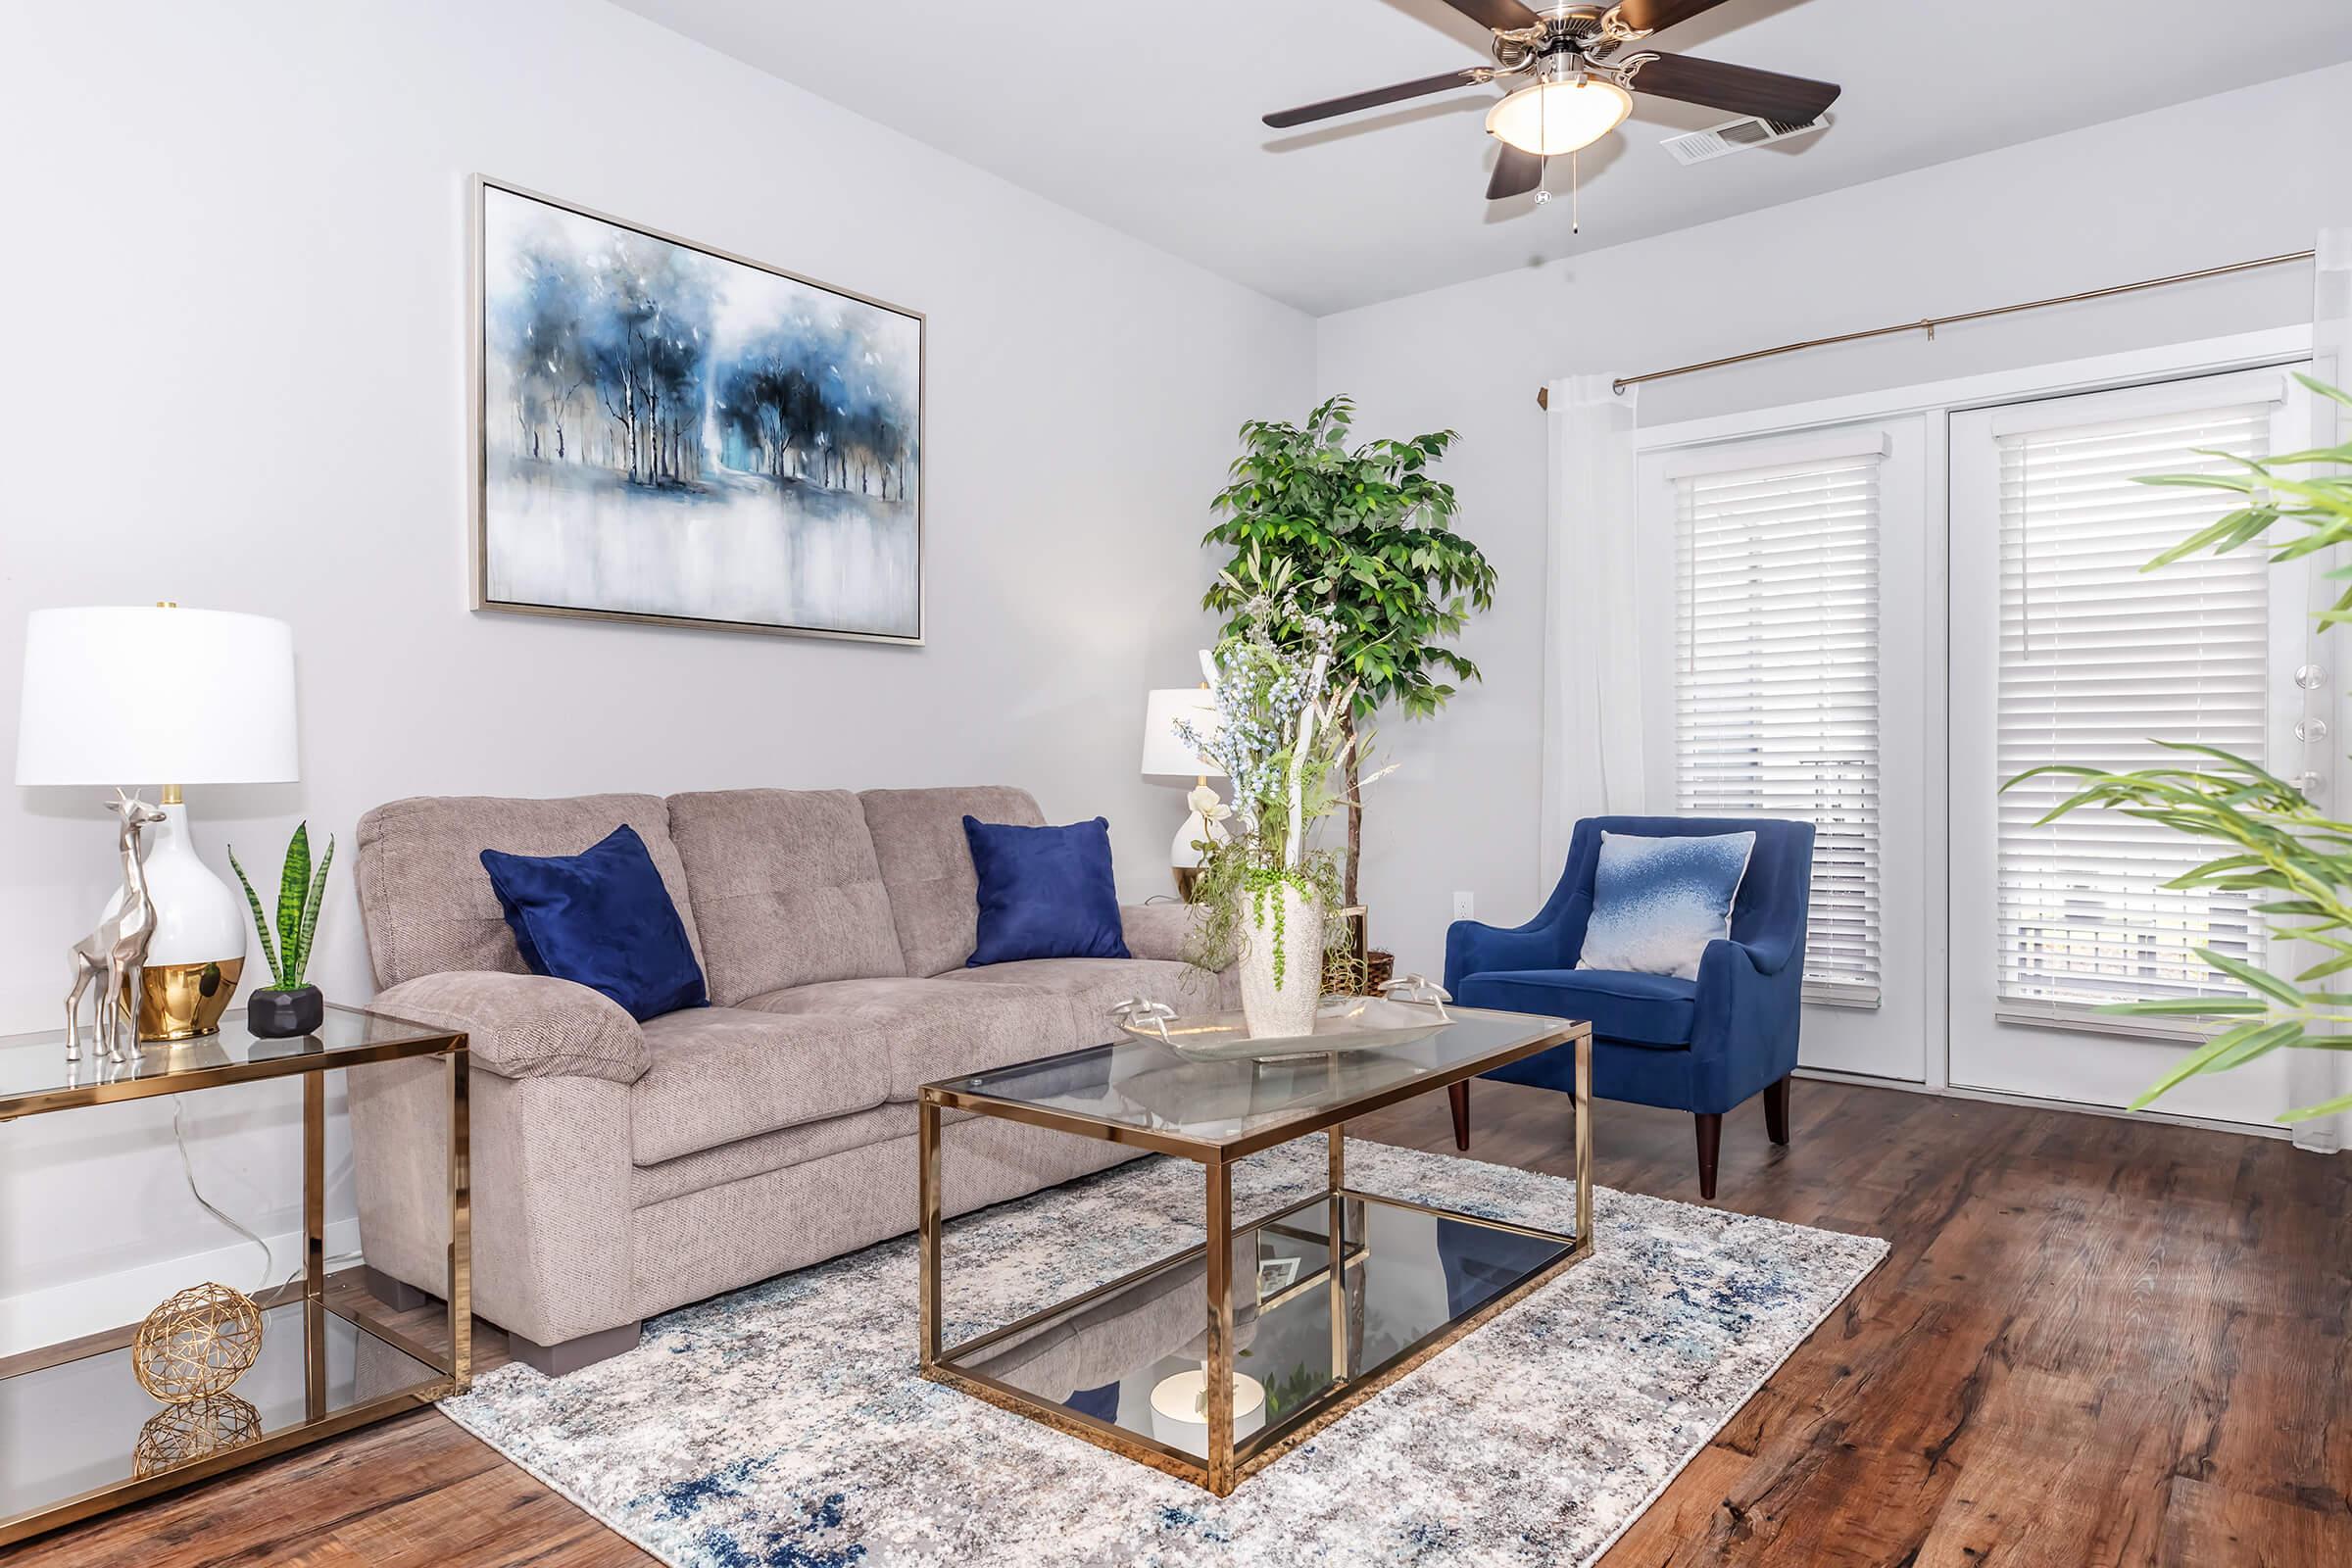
{"x":2033,"y":1103}
{"x":39,"y":1318}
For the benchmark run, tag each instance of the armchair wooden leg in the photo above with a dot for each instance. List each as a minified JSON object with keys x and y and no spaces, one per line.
{"x":1776,"y":1111}
{"x":1710,"y":1142}
{"x":1460,"y":1095}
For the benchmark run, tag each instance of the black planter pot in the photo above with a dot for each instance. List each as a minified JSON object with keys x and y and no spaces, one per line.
{"x":283,"y":1014}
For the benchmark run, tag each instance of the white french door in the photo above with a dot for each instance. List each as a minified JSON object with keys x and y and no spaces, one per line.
{"x":1783,"y":685}
{"x":2065,"y":651}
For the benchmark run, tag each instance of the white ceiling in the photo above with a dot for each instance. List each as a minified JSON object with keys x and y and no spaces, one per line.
{"x":1145,"y":116}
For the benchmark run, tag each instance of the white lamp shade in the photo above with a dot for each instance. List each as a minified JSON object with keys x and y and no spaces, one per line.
{"x":1551,"y":117}
{"x":122,"y":694}
{"x":1167,"y":760}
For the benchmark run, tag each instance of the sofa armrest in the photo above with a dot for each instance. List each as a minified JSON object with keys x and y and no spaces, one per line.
{"x":526,"y":1025}
{"x":1160,"y":930}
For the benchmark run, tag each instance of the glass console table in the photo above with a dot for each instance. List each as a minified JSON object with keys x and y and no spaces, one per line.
{"x":1327,"y":1299}
{"x":331,"y":1358}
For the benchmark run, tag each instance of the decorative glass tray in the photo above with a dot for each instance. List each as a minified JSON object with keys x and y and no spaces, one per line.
{"x":1341,"y":1023}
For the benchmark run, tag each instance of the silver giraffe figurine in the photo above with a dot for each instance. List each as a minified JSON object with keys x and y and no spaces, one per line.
{"x":118,"y":948}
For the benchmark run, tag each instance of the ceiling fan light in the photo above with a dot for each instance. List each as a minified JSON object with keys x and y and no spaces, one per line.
{"x":1551,"y":117}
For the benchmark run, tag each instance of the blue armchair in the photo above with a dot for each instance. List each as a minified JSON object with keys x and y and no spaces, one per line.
{"x":1702,"y":1046}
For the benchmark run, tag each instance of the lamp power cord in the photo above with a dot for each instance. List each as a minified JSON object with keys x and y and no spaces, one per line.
{"x":187,"y":1167}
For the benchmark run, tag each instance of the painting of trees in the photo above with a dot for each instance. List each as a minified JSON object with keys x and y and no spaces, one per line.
{"x":793,"y":405}
{"x":625,"y":333}
{"x":621,"y":363}
{"x":543,"y":344}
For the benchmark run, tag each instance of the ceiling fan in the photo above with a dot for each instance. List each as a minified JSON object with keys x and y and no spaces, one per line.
{"x":1578,"y":67}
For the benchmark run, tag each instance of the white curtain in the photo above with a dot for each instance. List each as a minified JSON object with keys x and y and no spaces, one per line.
{"x":2321,"y":1075}
{"x":1593,"y":747}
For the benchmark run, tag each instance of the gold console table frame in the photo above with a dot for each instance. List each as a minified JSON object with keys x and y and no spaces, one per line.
{"x":36,"y":1080}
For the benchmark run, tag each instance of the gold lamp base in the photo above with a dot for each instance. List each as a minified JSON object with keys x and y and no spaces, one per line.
{"x":182,"y":1000}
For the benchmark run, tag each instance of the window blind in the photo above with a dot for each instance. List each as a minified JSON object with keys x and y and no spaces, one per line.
{"x":2097,"y":661}
{"x":1776,"y":682}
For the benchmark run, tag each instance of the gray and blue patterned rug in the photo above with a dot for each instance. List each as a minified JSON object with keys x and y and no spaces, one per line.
{"x":784,"y":1426}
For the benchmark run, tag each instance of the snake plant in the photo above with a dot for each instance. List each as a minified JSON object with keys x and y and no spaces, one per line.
{"x":2275,"y":845}
{"x":299,"y":892}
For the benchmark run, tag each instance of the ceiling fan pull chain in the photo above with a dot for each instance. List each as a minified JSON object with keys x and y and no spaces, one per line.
{"x":1576,"y":196}
{"x":1544,"y":138}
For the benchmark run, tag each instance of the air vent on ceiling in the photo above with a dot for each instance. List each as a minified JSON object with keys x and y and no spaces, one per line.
{"x":1737,"y":136}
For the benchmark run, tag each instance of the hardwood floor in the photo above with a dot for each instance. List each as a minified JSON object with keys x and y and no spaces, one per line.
{"x":2097,"y":1342}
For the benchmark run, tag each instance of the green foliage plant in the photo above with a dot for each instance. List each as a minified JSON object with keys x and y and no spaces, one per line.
{"x":2276,"y":845}
{"x":300,"y":891}
{"x":1367,"y":532}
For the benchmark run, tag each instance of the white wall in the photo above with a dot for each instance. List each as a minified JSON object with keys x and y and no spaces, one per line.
{"x":236,"y":276}
{"x":2246,"y":173}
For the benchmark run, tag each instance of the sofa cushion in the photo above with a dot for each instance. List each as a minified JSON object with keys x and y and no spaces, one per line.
{"x":720,"y":1074}
{"x":603,"y":919}
{"x":927,"y":865}
{"x":928,"y":1029}
{"x":1045,"y":892}
{"x":1643,"y":1010}
{"x":1163,"y":930}
{"x":1090,"y":987}
{"x":747,"y":1158}
{"x":786,"y":883}
{"x":429,"y":906}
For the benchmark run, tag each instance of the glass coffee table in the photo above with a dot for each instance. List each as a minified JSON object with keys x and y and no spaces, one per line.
{"x":1211,"y":1363}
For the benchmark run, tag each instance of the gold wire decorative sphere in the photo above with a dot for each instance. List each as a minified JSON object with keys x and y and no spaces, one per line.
{"x":196,"y":1344}
{"x":192,"y":1430}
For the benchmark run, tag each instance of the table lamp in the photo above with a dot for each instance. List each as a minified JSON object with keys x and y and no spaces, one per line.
{"x":122,"y":695}
{"x":1169,"y":760}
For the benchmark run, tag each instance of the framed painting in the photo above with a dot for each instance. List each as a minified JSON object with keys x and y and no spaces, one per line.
{"x":667,"y":432}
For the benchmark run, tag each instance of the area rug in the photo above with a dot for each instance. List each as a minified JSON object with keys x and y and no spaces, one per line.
{"x":784,"y":1426}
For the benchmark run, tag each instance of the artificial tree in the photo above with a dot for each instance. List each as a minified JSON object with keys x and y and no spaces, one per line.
{"x":1366,"y":533}
{"x":2277,"y":844}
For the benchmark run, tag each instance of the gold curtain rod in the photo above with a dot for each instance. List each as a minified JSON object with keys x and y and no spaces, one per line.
{"x":1931,"y":323}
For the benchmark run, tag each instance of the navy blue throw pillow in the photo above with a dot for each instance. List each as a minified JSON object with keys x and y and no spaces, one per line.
{"x":603,"y":918}
{"x":1045,"y":892}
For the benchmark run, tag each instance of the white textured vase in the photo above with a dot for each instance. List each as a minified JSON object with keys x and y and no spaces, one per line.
{"x":1281,"y":931}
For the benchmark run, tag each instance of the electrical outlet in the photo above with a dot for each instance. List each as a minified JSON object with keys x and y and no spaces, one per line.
{"x":1465,"y":907}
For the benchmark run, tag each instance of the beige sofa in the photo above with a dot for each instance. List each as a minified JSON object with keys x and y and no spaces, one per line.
{"x":621,"y":1169}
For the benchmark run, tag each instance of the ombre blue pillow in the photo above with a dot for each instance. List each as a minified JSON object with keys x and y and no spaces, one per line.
{"x":1045,"y":892}
{"x":603,"y":918}
{"x":1657,"y":902}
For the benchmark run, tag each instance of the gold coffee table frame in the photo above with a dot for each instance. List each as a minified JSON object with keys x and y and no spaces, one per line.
{"x":36,"y":1080}
{"x":1229,"y":1463}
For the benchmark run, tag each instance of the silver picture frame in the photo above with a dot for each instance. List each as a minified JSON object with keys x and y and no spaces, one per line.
{"x":477,"y":434}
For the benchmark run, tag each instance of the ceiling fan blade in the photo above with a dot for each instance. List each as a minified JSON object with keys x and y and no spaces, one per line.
{"x":1373,"y":99}
{"x":1740,"y":90}
{"x":1504,"y":16}
{"x":1516,"y":173}
{"x":1657,"y":15}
